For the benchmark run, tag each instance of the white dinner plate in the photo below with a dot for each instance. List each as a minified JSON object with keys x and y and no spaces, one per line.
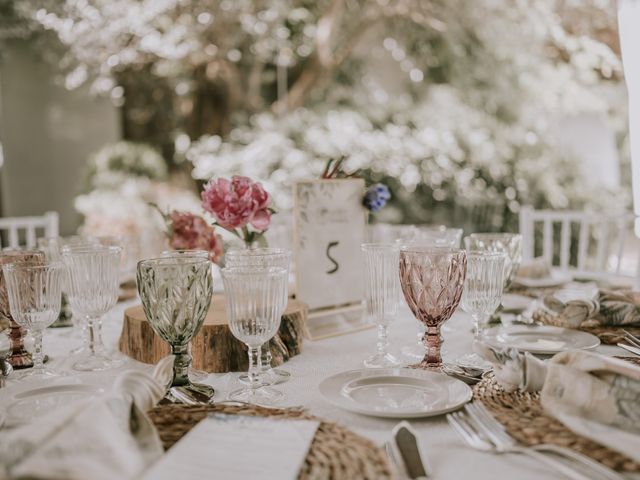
{"x":26,"y":405}
{"x":556,"y":279}
{"x":395,"y":392}
{"x":543,"y":340}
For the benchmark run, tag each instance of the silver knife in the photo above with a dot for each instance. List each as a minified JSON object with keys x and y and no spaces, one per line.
{"x":416,"y":465}
{"x":629,"y":348}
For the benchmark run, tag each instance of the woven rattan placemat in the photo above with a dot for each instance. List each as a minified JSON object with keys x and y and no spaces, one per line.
{"x":523,"y":416}
{"x":335,"y":453}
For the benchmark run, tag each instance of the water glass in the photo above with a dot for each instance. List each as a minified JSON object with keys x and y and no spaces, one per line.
{"x":264,"y":258}
{"x":94,"y":283}
{"x":176,"y":294}
{"x":382,"y":288}
{"x":255,"y":299}
{"x":507,"y":243}
{"x":483,"y":287}
{"x":19,"y":358}
{"x":34,"y":298}
{"x":432,"y":280}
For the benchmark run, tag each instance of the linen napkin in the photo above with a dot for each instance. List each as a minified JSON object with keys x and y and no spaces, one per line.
{"x":595,"y":396}
{"x":102,"y":438}
{"x":609,"y":308}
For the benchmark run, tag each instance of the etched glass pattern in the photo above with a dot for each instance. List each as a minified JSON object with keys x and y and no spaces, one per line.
{"x":176,"y":294}
{"x":432,"y":280}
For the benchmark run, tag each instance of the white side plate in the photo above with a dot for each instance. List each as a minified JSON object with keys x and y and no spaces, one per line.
{"x":395,"y":392}
{"x":544,"y":340}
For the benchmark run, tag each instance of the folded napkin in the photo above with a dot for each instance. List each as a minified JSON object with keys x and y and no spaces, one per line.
{"x":609,"y":308}
{"x":595,"y":396}
{"x":102,"y":438}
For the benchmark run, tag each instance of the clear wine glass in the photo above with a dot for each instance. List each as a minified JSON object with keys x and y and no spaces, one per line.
{"x":93,"y":290}
{"x":52,"y":248}
{"x":20,"y":357}
{"x":432,"y":281}
{"x":483,"y":287}
{"x":507,"y":243}
{"x":381,"y":296}
{"x":34,"y":297}
{"x":263,"y":258}
{"x":255,"y":299}
{"x":194,"y":374}
{"x":176,"y":294}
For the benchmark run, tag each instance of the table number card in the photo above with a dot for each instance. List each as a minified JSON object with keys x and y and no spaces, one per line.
{"x":238,"y":447}
{"x":329,"y":227}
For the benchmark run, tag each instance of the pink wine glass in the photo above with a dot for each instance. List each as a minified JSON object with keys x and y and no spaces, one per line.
{"x":432,"y":280}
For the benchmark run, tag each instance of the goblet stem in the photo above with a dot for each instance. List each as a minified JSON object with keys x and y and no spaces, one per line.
{"x":19,"y":358}
{"x":38,"y":356}
{"x":181,"y":362}
{"x":266,"y":357}
{"x":255,"y":366}
{"x":94,"y":335}
{"x":432,"y":341}
{"x":480,"y":324}
{"x":383,"y":340}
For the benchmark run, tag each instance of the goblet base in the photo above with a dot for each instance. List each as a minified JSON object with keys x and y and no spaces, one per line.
{"x":271,"y":376}
{"x":97,"y":362}
{"x":382,"y":361}
{"x":192,"y":393}
{"x":39,"y":374}
{"x":20,"y":359}
{"x":414,"y":352}
{"x":263,"y":396}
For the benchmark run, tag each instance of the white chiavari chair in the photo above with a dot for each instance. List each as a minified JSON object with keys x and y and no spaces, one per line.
{"x":582,"y":243}
{"x":23,"y":231}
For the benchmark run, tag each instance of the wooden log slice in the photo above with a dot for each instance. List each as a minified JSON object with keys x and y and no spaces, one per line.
{"x":214,"y":348}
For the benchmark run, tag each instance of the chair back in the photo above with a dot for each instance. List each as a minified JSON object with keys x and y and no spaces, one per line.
{"x":16,"y":232}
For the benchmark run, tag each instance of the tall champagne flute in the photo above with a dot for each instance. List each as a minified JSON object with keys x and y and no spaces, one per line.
{"x":432,"y":281}
{"x":176,"y":294}
{"x":483,"y":287}
{"x":19,"y":357}
{"x":381,"y":296}
{"x":263,"y":258}
{"x":255,"y":299}
{"x":34,"y":296}
{"x":508,"y":243}
{"x":93,"y":290}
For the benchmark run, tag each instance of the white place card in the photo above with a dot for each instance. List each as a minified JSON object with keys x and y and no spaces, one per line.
{"x":329,"y":227}
{"x":237,"y":447}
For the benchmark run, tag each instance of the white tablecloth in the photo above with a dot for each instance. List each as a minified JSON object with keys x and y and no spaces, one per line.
{"x":449,"y":457}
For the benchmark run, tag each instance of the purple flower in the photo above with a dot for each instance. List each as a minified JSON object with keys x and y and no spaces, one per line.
{"x":376,"y":197}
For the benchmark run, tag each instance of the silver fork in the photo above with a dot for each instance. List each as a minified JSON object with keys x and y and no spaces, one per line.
{"x":480,"y":413}
{"x":470,"y":432}
{"x":631,"y":338}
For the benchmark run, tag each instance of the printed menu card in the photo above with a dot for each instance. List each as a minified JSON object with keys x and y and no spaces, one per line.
{"x":237,"y":447}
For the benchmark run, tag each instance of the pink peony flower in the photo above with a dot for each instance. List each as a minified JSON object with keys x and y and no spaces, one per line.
{"x":191,"y":232}
{"x":237,"y":203}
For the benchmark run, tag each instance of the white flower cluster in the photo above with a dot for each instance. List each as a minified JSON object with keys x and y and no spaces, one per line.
{"x":458,"y":152}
